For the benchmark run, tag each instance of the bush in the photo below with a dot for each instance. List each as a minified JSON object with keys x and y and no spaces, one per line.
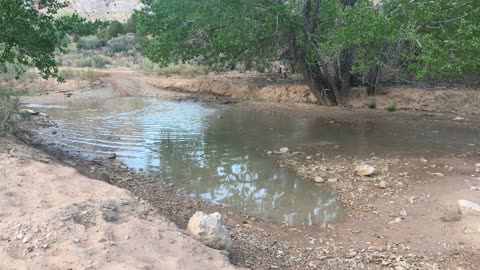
{"x":9,"y":106}
{"x":90,"y":43}
{"x":88,"y":74}
{"x":372,"y":104}
{"x":115,"y":29}
{"x":184,"y":69}
{"x":392,"y":108}
{"x":123,"y":43}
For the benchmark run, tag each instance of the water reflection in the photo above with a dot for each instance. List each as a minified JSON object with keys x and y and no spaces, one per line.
{"x":220,"y":159}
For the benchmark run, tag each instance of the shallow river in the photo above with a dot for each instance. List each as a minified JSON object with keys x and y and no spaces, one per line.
{"x":219,"y":154}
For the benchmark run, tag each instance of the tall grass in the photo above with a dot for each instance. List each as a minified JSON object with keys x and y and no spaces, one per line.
{"x":87,"y":74}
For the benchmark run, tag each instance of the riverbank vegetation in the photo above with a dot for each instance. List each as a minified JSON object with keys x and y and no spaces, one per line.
{"x":333,"y":44}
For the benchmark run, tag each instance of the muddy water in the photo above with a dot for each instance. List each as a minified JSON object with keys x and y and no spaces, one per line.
{"x":218,"y":154}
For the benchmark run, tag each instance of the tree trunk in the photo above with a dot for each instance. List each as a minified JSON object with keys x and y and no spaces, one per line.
{"x":373,"y":84}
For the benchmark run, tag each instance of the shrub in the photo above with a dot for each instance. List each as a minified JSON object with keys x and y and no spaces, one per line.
{"x":9,"y":106}
{"x":88,"y":74}
{"x":123,"y":43}
{"x":392,"y":108}
{"x":115,"y":29}
{"x":184,"y":69}
{"x":372,"y":104}
{"x":90,"y":43}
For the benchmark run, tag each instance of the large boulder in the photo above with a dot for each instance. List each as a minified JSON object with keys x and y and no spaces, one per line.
{"x":210,"y":230}
{"x":468,"y":208}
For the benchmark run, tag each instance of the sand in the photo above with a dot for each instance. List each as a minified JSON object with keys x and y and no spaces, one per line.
{"x":52,"y":217}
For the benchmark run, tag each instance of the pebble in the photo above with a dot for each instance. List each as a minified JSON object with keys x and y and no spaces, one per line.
{"x":468,"y":208}
{"x":27,"y":238}
{"x":19,"y":236}
{"x":403,"y":213}
{"x":283,"y":150}
{"x":332,"y":180}
{"x":382,"y":184}
{"x":319,"y":179}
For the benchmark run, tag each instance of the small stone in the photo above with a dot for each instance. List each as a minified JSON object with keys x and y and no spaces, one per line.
{"x":309,"y":157}
{"x":403,"y":213}
{"x":382,"y":184}
{"x":438,"y":174}
{"x":123,"y":167}
{"x":112,"y":156}
{"x":332,"y":180}
{"x":76,"y":240}
{"x":116,"y":163}
{"x":451,"y":218}
{"x":396,"y":220}
{"x":458,"y":118}
{"x":27,"y":238}
{"x":19,"y":236}
{"x":423,"y":160}
{"x":468,"y":208}
{"x":269,"y":152}
{"x":472,"y":228}
{"x":283,"y":150}
{"x":365,"y":170}
{"x":477,"y":165}
{"x":319,"y":179}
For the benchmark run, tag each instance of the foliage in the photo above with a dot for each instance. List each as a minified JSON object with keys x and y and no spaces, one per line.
{"x":115,"y":29}
{"x":325,"y":40}
{"x":123,"y":43}
{"x":391,"y":108}
{"x":90,"y":43}
{"x":88,"y":74}
{"x":30,"y":37}
{"x":372,"y":104}
{"x":9,"y":106}
{"x":130,"y":25}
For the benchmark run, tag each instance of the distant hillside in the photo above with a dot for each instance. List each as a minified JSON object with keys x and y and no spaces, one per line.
{"x":104,"y":9}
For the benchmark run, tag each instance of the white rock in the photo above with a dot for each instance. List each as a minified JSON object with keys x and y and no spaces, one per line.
{"x":458,"y":118}
{"x":477,"y":165}
{"x":27,"y":239}
{"x":468,"y":208}
{"x":332,"y":180}
{"x":209,"y":230}
{"x":403,"y":213}
{"x":19,"y":236}
{"x":318,"y":179}
{"x":283,"y":150}
{"x":472,"y":228}
{"x":382,"y":184}
{"x":365,"y":170}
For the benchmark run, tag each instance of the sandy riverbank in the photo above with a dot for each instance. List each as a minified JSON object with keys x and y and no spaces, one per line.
{"x":52,"y":217}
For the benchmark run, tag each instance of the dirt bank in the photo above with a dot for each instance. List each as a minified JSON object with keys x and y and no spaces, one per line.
{"x":252,"y":86}
{"x":54,"y":218}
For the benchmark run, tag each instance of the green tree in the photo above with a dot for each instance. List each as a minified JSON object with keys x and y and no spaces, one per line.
{"x":115,"y":29}
{"x":30,"y":37}
{"x":130,"y":26}
{"x":325,"y":40}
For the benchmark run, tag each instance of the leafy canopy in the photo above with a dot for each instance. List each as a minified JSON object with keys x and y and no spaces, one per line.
{"x":30,"y":37}
{"x":439,"y":38}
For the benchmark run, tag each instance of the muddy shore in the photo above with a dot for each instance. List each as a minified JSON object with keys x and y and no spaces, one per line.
{"x":394,"y":225}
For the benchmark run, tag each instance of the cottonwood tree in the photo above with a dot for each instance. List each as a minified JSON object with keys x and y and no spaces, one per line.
{"x":31,"y":33}
{"x":326,"y":40}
